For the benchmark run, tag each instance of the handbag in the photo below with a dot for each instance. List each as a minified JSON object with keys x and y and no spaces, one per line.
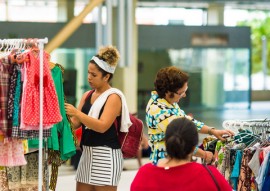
{"x":212,"y":176}
{"x":130,"y":141}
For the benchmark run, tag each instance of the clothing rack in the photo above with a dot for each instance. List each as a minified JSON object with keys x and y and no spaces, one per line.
{"x":16,"y":43}
{"x":246,"y":123}
{"x":257,"y":126}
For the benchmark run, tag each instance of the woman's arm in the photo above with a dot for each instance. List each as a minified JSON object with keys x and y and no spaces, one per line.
{"x":74,"y":120}
{"x":112,"y":109}
{"x":206,"y":155}
{"x":217,"y":133}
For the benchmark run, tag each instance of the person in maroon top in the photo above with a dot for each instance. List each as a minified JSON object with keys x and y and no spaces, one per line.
{"x":176,"y":172}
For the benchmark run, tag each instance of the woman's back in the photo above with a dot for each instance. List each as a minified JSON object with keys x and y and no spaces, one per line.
{"x":187,"y":177}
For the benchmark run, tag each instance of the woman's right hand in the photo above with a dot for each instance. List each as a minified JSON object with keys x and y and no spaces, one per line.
{"x":70,"y":110}
{"x":208,"y":157}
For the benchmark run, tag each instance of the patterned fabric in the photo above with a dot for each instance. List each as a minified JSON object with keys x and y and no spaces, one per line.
{"x":29,"y":134}
{"x":12,"y":153}
{"x":244,"y":182}
{"x":51,"y":112}
{"x":11,"y":92}
{"x":5,"y":124}
{"x":159,"y":113}
{"x":24,"y":178}
{"x":92,"y":171}
{"x":55,"y":161}
{"x":3,"y":179}
{"x":219,"y":155}
{"x":16,"y":101}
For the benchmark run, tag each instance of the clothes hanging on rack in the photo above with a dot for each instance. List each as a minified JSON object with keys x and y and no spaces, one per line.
{"x":21,"y":79}
{"x":244,"y":159}
{"x":60,"y":147}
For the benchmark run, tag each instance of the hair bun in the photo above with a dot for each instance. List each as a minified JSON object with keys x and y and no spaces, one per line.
{"x":109,"y":54}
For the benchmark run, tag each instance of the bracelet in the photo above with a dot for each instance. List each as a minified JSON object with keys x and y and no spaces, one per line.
{"x":209,"y":130}
{"x":195,"y":150}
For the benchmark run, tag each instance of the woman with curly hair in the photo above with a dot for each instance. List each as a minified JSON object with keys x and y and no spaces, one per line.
{"x":101,"y":162}
{"x":171,"y":85}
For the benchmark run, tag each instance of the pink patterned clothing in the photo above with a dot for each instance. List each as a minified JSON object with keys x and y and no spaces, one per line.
{"x":30,"y":99}
{"x":12,"y":153}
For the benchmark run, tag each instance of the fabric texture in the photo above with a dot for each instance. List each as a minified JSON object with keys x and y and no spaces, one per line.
{"x":5,"y":124}
{"x":159,"y":113}
{"x":100,"y":101}
{"x":100,"y":166}
{"x":51,"y":112}
{"x":12,"y":153}
{"x":24,"y":178}
{"x":188,"y":177}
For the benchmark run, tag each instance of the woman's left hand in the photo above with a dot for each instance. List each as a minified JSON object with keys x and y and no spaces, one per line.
{"x":220,"y":133}
{"x":70,"y":109}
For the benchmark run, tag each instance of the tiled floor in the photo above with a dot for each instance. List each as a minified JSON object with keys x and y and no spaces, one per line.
{"x":259,"y":110}
{"x":66,"y":179}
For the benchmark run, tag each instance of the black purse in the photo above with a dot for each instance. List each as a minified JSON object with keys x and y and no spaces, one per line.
{"x":214,"y":179}
{"x":212,"y":146}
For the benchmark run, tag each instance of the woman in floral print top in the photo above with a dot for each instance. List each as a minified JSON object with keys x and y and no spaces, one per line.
{"x":171,"y":85}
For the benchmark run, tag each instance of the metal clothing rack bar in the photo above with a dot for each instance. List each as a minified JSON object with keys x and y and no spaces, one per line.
{"x":41,"y":43}
{"x":257,"y":126}
{"x":246,"y":123}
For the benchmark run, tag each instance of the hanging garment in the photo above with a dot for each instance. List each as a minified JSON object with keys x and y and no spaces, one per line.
{"x":11,"y":92}
{"x":51,"y":111}
{"x":24,"y":177}
{"x":16,"y":131}
{"x":5,"y":124}
{"x":3,"y":179}
{"x":12,"y":153}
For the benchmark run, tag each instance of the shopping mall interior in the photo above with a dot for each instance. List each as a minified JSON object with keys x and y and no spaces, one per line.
{"x":214,"y":41}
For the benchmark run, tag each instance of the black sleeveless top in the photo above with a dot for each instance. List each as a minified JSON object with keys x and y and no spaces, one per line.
{"x":93,"y":138}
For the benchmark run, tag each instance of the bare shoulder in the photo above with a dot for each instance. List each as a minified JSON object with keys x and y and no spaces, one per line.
{"x":114,"y":97}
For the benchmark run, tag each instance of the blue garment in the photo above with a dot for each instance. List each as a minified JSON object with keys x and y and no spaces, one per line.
{"x":266,"y":183}
{"x":262,"y":172}
{"x":236,"y":169}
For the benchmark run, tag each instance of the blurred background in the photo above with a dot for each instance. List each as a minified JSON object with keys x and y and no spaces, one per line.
{"x":222,"y":44}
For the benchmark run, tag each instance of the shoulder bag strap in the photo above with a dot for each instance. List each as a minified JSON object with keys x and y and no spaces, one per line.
{"x":213,"y":177}
{"x":89,"y":94}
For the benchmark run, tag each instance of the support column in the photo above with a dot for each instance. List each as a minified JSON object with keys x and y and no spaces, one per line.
{"x":65,"y":11}
{"x":126,"y":78}
{"x":213,"y":94}
{"x":215,"y":14}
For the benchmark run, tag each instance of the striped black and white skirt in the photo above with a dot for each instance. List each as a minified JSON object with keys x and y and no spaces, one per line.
{"x":100,"y":166}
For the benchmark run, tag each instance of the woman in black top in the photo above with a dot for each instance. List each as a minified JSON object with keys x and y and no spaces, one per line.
{"x":101,"y":162}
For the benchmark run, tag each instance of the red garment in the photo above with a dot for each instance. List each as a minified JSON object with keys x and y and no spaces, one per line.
{"x":51,"y":110}
{"x":78,"y":133}
{"x":188,"y":177}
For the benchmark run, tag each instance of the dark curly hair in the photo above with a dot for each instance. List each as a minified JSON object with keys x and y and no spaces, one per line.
{"x":169,"y":79}
{"x":181,"y":137}
{"x":109,"y":54}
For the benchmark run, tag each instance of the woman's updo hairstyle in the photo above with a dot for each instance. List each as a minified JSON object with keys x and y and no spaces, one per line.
{"x":169,"y":79}
{"x":110,"y":55}
{"x":181,"y":137}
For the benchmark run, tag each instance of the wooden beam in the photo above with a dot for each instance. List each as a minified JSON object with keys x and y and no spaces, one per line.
{"x":71,"y":27}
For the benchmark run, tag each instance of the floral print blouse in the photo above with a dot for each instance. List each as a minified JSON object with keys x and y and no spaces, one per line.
{"x":159,"y":113}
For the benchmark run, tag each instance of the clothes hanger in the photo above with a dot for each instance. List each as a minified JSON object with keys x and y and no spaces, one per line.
{"x":246,"y":137}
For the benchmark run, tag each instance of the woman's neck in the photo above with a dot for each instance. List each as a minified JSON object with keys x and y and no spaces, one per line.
{"x":170,"y":162}
{"x":102,"y":89}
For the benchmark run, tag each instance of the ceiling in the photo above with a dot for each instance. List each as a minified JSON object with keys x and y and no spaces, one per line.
{"x":204,"y":4}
